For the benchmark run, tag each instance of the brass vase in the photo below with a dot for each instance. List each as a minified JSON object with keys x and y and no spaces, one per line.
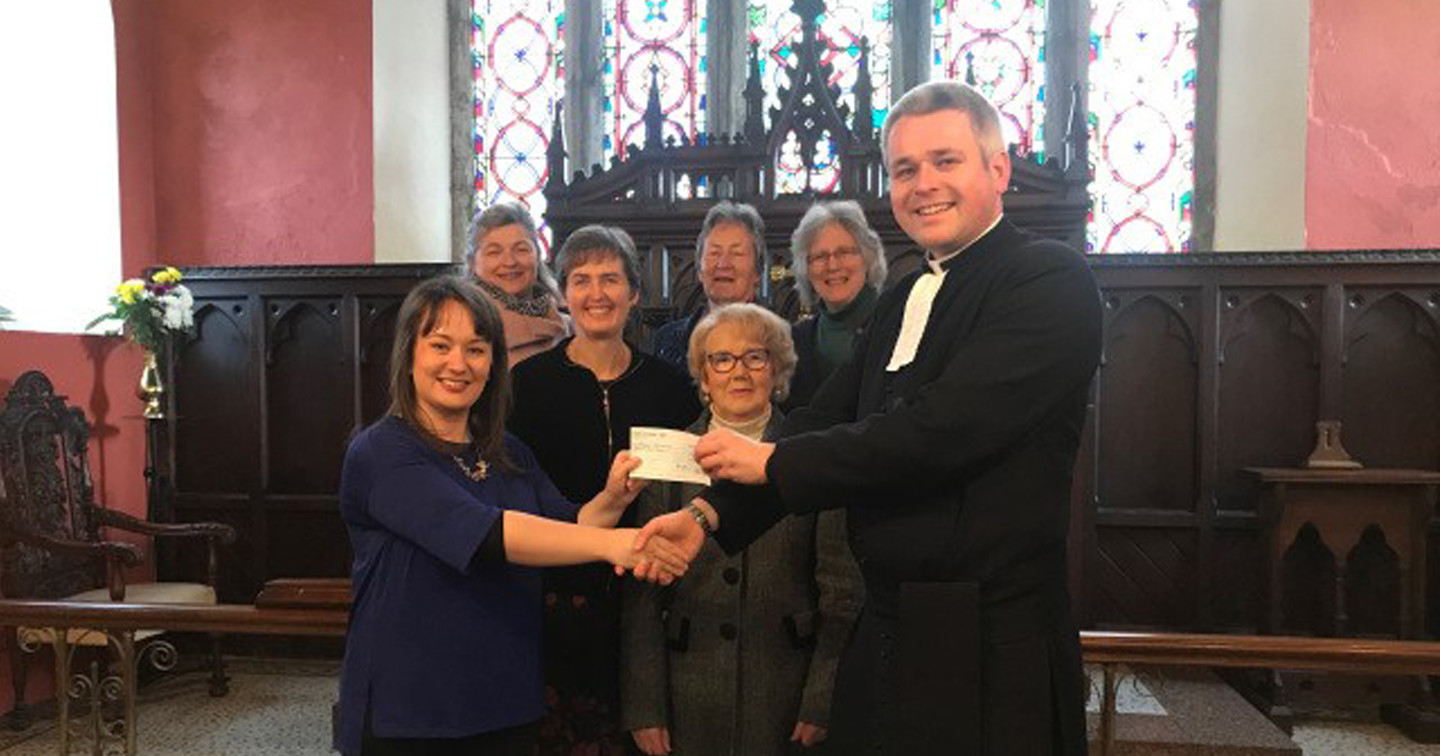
{"x":151,"y":389}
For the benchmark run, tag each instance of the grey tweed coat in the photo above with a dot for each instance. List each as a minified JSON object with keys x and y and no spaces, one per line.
{"x":730,"y":657}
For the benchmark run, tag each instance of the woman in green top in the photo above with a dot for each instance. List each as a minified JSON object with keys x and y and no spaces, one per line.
{"x":838,"y":260}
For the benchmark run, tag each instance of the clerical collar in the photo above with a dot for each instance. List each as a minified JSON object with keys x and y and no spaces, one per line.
{"x":937,"y":263}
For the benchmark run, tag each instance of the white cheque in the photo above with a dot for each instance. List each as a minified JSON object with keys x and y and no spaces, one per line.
{"x":666,"y":455}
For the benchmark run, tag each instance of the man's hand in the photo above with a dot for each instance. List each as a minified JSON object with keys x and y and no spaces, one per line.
{"x":680,"y":529}
{"x":727,"y":455}
{"x":808,"y":735}
{"x":663,"y":560}
{"x":653,"y":741}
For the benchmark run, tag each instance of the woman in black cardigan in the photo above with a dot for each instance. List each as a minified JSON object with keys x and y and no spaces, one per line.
{"x":574,"y":406}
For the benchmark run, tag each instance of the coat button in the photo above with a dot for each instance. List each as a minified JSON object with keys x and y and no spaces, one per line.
{"x":728,"y":631}
{"x":731,"y":575}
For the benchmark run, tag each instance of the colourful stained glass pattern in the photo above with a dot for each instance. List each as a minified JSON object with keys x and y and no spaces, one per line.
{"x":1002,"y":44}
{"x":843,"y":24}
{"x":660,"y":38}
{"x":517,"y":50}
{"x":1142,"y":124}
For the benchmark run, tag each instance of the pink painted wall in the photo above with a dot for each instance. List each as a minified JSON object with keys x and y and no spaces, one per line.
{"x":245,"y":139}
{"x":262,"y":132}
{"x":1373,"y":144}
{"x":98,"y":375}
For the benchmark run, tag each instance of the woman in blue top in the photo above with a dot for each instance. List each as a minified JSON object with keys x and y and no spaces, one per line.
{"x":449,"y":517}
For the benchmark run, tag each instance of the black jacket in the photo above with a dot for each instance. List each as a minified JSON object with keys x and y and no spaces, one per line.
{"x":956,"y":475}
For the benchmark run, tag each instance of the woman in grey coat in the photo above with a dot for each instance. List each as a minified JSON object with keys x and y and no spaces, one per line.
{"x":739,"y":657}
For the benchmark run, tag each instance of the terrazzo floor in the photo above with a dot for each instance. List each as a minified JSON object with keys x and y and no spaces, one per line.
{"x":283,"y":709}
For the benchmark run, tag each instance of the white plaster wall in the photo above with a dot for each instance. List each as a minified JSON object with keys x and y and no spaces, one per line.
{"x":1261,"y":127}
{"x":412,"y":132}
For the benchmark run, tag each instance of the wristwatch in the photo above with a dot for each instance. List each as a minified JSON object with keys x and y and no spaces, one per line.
{"x":699,"y":515}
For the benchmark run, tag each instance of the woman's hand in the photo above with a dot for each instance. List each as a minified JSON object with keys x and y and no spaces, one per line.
{"x":659,"y":557}
{"x":679,"y":530}
{"x":620,"y":488}
{"x":653,"y":741}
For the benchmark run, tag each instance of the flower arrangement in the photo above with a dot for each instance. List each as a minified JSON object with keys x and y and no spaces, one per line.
{"x":149,"y":311}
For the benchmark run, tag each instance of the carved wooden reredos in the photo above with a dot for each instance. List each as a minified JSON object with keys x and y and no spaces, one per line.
{"x":661,"y":191}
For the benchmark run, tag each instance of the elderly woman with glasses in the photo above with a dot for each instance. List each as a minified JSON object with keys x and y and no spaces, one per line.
{"x":838,"y":260}
{"x":740,"y":657}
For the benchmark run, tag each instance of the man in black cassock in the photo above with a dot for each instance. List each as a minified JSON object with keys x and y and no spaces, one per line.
{"x":950,"y":438}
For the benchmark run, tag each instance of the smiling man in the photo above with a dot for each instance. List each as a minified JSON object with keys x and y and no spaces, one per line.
{"x":950,"y":439}
{"x":729,"y":254}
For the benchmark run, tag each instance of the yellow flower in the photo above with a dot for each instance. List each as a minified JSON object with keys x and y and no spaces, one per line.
{"x":167,"y":276}
{"x":130,"y":290}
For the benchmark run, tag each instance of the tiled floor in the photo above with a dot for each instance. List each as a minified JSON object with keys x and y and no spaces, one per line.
{"x":272,"y":714}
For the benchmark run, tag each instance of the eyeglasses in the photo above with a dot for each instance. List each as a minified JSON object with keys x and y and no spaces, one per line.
{"x":724,"y":362}
{"x":840,"y":255}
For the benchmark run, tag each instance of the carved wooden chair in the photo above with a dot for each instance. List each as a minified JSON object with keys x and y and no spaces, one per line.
{"x":52,"y":532}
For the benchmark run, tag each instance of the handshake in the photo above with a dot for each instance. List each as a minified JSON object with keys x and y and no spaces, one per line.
{"x":662,"y":550}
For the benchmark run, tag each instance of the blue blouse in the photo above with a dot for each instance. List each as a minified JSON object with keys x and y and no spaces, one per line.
{"x":437,"y":649}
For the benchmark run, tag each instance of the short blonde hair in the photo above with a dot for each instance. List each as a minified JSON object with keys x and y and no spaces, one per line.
{"x":771,"y":330}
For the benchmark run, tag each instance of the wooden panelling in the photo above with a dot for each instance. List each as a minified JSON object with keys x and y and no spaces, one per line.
{"x":305,"y":358}
{"x":1147,"y":575}
{"x":1147,"y":406}
{"x":1269,"y":375}
{"x":285,"y":365}
{"x":1212,"y":363}
{"x":215,"y":361}
{"x":1392,"y":379}
{"x":1236,"y":552}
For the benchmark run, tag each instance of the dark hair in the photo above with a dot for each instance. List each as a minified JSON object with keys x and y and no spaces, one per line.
{"x":417,"y":318}
{"x":596,"y":242}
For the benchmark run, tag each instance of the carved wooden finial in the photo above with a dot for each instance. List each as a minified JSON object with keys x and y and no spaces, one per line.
{"x":864,"y":124}
{"x":654,"y":118}
{"x":555,"y":152}
{"x":754,"y":98}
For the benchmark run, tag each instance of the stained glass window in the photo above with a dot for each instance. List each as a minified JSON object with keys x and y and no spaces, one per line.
{"x":843,"y":24}
{"x":663,"y":38}
{"x":1002,"y":44}
{"x":517,"y":52}
{"x":1142,"y":125}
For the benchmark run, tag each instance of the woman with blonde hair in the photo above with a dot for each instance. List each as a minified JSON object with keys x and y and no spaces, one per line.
{"x":740,"y":657}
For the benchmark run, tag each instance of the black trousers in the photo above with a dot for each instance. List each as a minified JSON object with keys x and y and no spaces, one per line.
{"x":513,"y":741}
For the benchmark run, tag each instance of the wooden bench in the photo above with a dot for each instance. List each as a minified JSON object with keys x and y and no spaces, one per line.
{"x":320,"y":607}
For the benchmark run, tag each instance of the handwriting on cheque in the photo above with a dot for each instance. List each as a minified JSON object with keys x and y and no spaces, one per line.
{"x":666,"y":455}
